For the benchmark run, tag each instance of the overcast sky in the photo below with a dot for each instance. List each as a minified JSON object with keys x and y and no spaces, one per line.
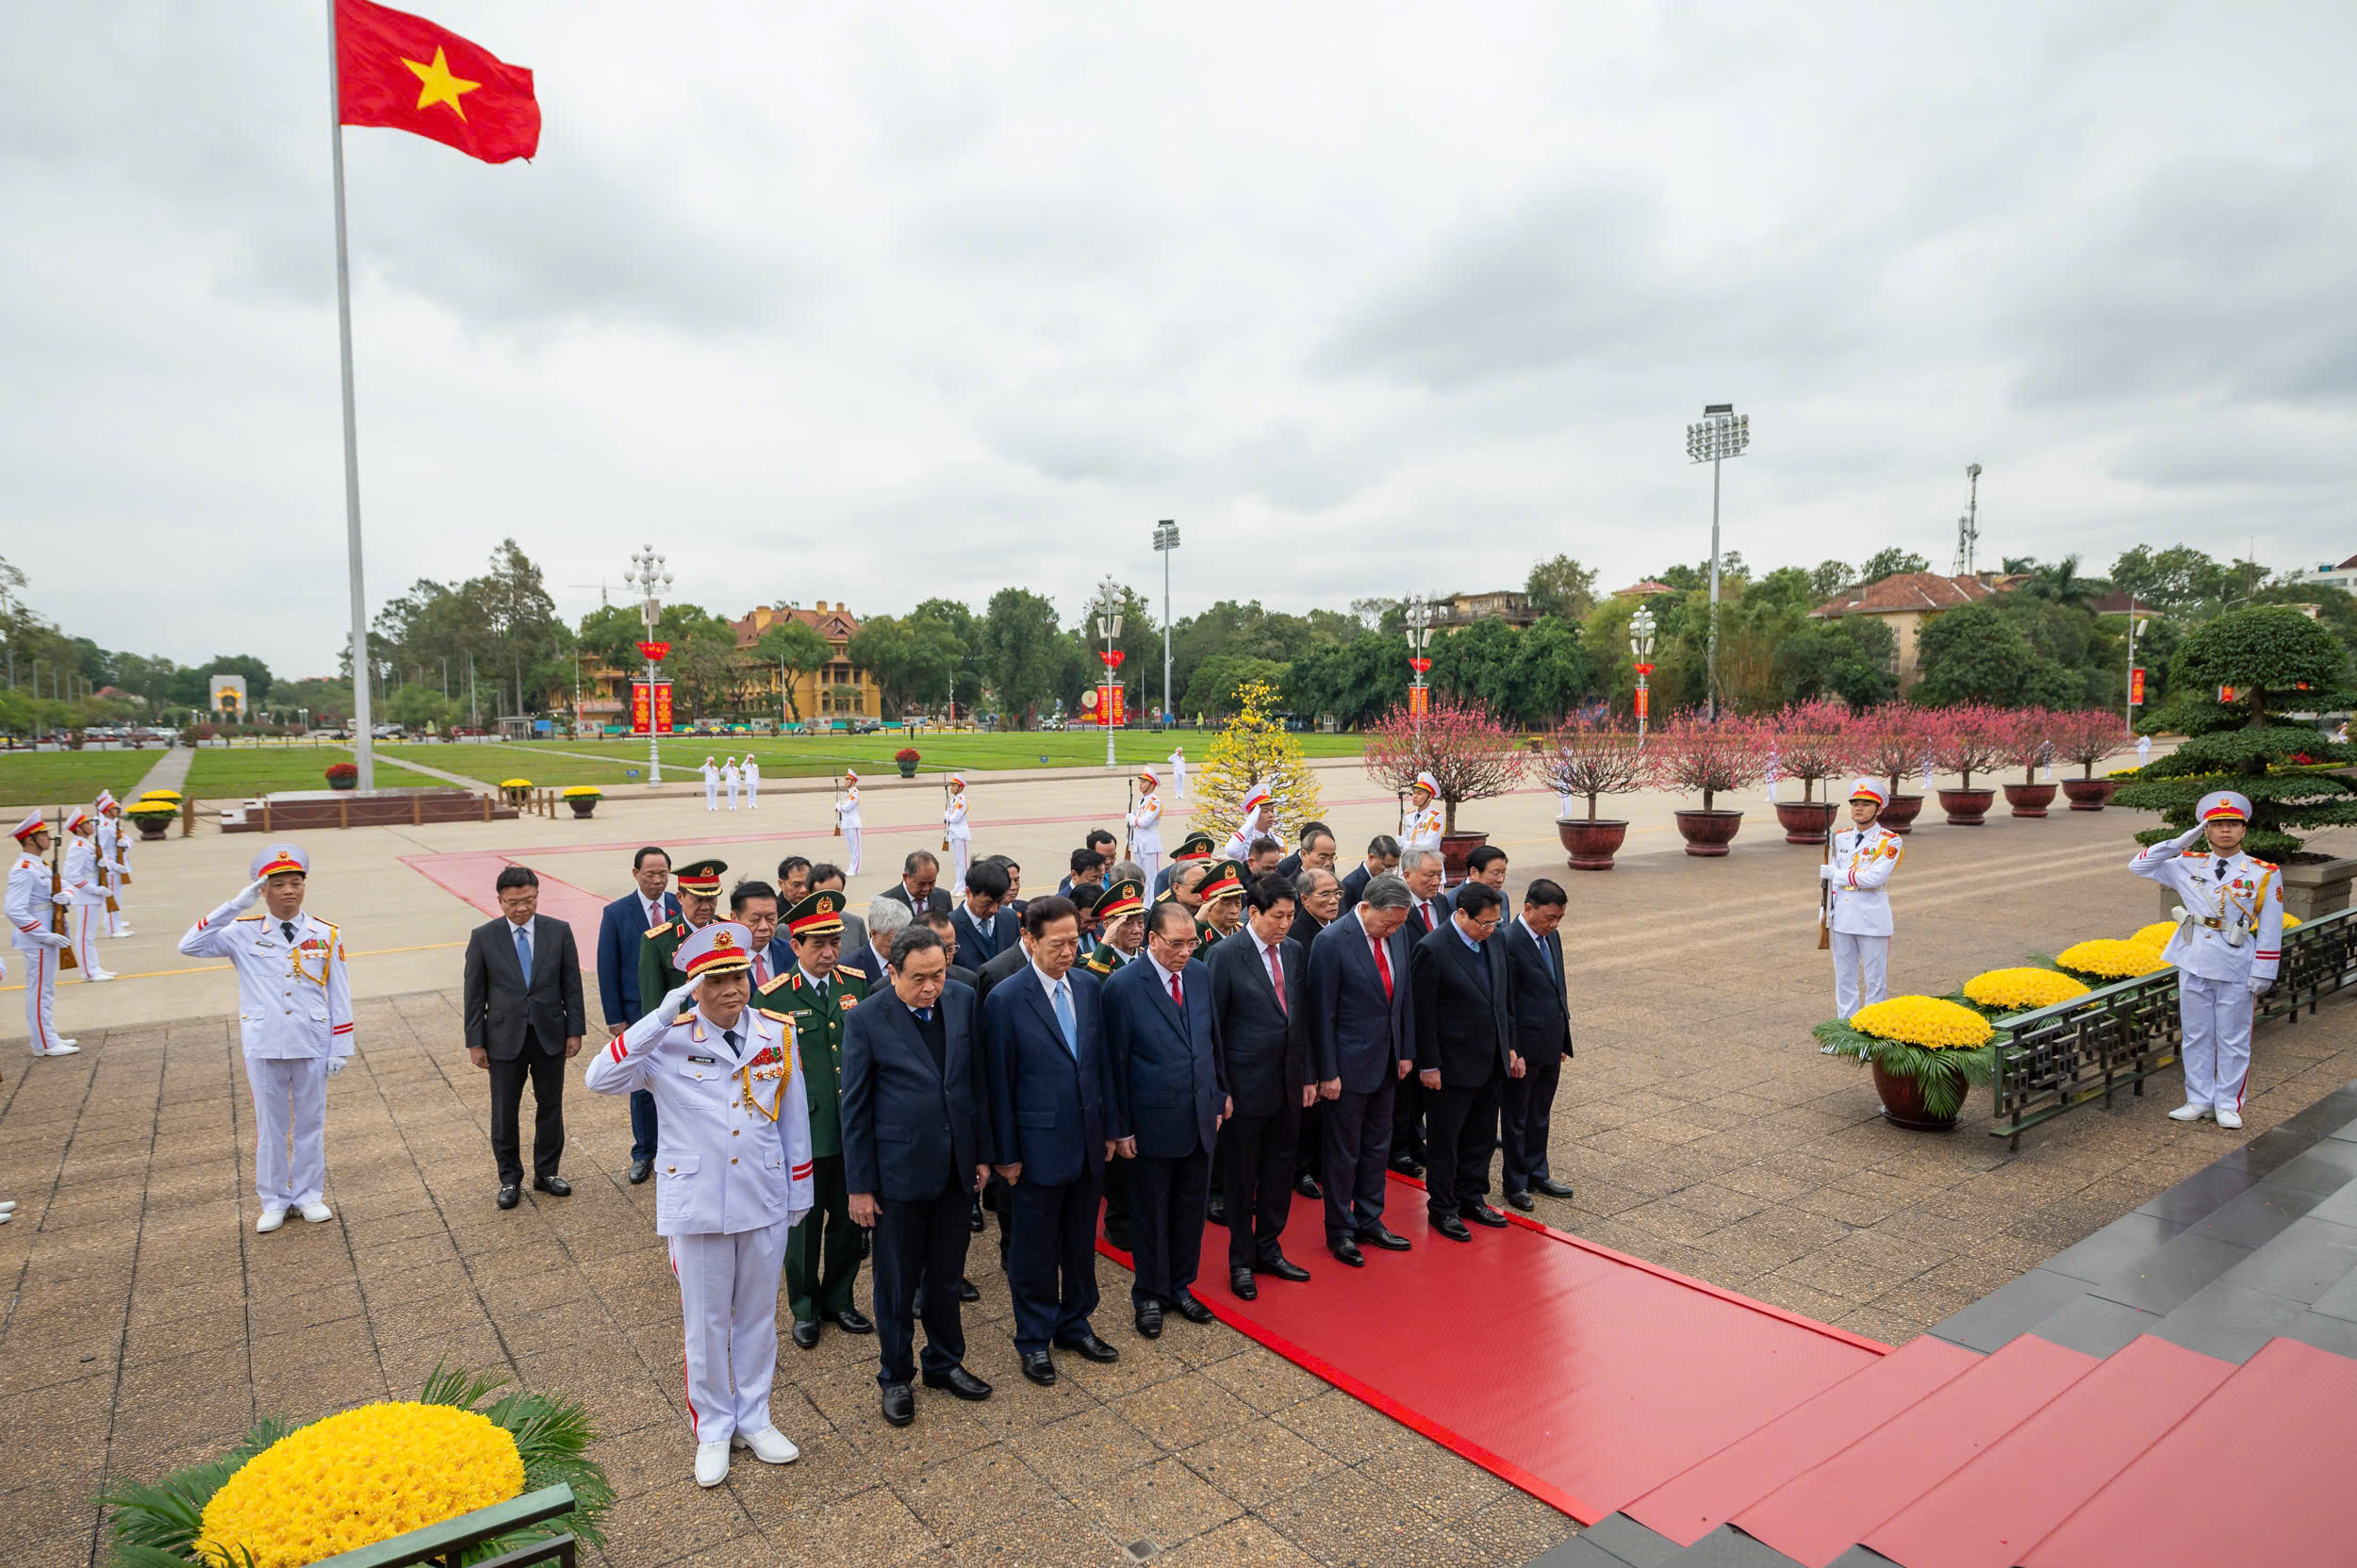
{"x":876,"y":302}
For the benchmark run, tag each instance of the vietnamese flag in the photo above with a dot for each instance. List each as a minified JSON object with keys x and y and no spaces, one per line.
{"x":401,"y":70}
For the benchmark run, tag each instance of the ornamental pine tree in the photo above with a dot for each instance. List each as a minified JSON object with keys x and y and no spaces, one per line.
{"x":1253,"y":749}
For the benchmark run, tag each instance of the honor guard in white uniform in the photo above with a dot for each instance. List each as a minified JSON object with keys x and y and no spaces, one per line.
{"x":114,"y":861}
{"x":294,"y":1019}
{"x":1179,"y":771}
{"x":957,"y":836}
{"x":847,"y":817}
{"x":29,"y":902}
{"x":1420,"y":829}
{"x":752,"y":770}
{"x":710,"y":771}
{"x":2228,"y":946}
{"x":1856,"y":877}
{"x":83,"y":879}
{"x":730,"y":778}
{"x":1259,"y":807}
{"x":733,"y":1174}
{"x":1146,"y":824}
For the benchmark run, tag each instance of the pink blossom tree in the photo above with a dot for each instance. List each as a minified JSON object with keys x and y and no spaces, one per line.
{"x":1469,"y":753}
{"x":2030,"y":740}
{"x":1893,"y":739}
{"x":1693,"y":756}
{"x":2088,"y":737}
{"x":1814,"y":740}
{"x":1972,"y":738}
{"x":1591,"y":758}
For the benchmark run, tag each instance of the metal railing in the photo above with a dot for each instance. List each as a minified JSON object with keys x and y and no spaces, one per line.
{"x":2057,"y":1059}
{"x":446,"y":1545}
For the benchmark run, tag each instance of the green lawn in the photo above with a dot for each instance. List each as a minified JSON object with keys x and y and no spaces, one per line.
{"x":237,"y":773}
{"x":542,"y":761}
{"x":69,"y":778}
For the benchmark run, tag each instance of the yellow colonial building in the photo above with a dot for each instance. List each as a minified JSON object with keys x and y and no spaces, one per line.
{"x":836,"y":689}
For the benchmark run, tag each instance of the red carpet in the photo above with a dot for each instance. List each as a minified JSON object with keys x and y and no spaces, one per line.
{"x":1581,"y":1375}
{"x":471,"y":875}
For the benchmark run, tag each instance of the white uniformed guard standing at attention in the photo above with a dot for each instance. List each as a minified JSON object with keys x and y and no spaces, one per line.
{"x":2227,"y":945}
{"x":1178,"y":770}
{"x":846,"y":816}
{"x":731,"y":777}
{"x":294,"y":1017}
{"x":84,"y":879}
{"x":733,"y":1174}
{"x":1146,"y":824}
{"x":752,"y":770}
{"x":710,"y":771}
{"x":114,"y":866}
{"x":1864,"y":855}
{"x":958,"y":836}
{"x":29,"y":901}
{"x":1420,"y":828}
{"x":1259,"y":810}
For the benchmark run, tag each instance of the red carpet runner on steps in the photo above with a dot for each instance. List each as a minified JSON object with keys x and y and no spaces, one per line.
{"x":1581,"y":1375}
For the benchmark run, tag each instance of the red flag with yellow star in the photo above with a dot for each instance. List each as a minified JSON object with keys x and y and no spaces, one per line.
{"x":402,"y":71}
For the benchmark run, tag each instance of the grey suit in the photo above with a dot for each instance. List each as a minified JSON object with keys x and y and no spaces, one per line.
{"x":522,"y":1023}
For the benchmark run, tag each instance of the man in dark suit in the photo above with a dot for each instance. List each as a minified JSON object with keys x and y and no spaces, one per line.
{"x":1257,"y":998}
{"x":1043,"y":1037}
{"x":1317,"y":904}
{"x":524,"y":1019}
{"x":1542,"y":1036}
{"x":1362,"y":1029}
{"x":984,"y":930}
{"x":1313,"y":833}
{"x":959,"y":974}
{"x":915,"y":888}
{"x":915,"y":1146}
{"x":1465,"y":1054}
{"x":1382,"y":856}
{"x":625,"y":924}
{"x":1421,"y":870}
{"x":1163,"y":1047}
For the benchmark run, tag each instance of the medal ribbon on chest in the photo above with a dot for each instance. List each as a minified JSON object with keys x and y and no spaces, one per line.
{"x":774,"y":1066}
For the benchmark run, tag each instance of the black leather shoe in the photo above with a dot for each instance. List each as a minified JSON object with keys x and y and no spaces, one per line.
{"x":639,"y":1171}
{"x":959,"y":1382}
{"x":1216,"y":1211}
{"x":1406,"y":1164}
{"x":851,"y":1320}
{"x":1186,"y":1305}
{"x":967,"y":1291}
{"x":1149,"y":1316}
{"x":1521,"y":1201}
{"x":1481,"y":1214}
{"x":1240,"y":1285}
{"x":1384,"y":1237}
{"x":974,"y":1221}
{"x":510,"y":1195}
{"x":1284,"y":1268}
{"x":1308,"y":1186}
{"x":899,"y":1404}
{"x":805,"y":1334}
{"x":555,"y":1186}
{"x":1346,"y":1251}
{"x":1090,"y":1348}
{"x":1451,"y":1226}
{"x":1039,"y":1366}
{"x":1547,"y":1186}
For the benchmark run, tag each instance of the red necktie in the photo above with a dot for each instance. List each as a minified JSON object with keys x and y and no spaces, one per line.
{"x":761,"y":969}
{"x":1176,"y":1001}
{"x":1383,"y":961}
{"x":1424,"y":907}
{"x":1276,"y":977}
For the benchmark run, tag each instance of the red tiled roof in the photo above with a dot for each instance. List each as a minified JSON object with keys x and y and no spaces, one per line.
{"x":1907,"y":590}
{"x":835,"y":625}
{"x":2120,"y":603}
{"x":1647,"y":588}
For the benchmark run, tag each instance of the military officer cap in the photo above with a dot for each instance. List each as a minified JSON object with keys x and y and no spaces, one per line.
{"x":280,"y":860}
{"x":1226,"y":882}
{"x":1147,"y":777}
{"x":2223,"y":805}
{"x":31,"y":825}
{"x":1123,"y":899}
{"x":719,"y":948}
{"x":77,"y":820}
{"x":1195,"y":846}
{"x":701,"y":878}
{"x":1870,"y":789}
{"x":820,"y":915}
{"x":1430,"y":785}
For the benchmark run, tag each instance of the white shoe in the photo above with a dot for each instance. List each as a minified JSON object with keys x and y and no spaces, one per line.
{"x":96,"y":975}
{"x":770,"y":1445}
{"x":272,"y":1217}
{"x":2229,"y":1116}
{"x":125,"y":932}
{"x":2190,"y":1114}
{"x":63,"y":1048}
{"x":317,"y":1213}
{"x":5,"y":1218}
{"x":7,"y":1205}
{"x":712,"y":1462}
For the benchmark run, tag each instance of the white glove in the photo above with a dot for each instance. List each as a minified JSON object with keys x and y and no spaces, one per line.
{"x":336,"y":1064}
{"x":2191,"y":837}
{"x":676,"y":999}
{"x":247,"y":894}
{"x":62,"y":897}
{"x":50,"y":939}
{"x":1826,"y":873}
{"x":2259,"y":987}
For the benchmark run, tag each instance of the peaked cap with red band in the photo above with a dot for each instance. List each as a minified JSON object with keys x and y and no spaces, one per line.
{"x":1123,"y":899}
{"x":2223,"y":805}
{"x":721,"y":948}
{"x":1871,"y":789}
{"x":1226,"y":882}
{"x":701,"y":878}
{"x":1195,"y":846}
{"x":32,"y":824}
{"x":278,"y":859}
{"x":820,"y":915}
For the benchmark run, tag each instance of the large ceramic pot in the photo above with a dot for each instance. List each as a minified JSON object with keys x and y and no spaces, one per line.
{"x":1455,"y":846}
{"x":1592,"y":844}
{"x":2029,"y":799}
{"x":151,"y":827}
{"x":1903,"y":1104}
{"x":1899,"y":816}
{"x":2089,"y":793}
{"x":907,"y":769}
{"x":582,"y":804}
{"x":339,"y":783}
{"x":1708,"y":833}
{"x":1805,"y":821}
{"x":1967,"y":808}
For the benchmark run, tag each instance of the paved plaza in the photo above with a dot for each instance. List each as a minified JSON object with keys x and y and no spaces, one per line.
{"x":146,"y":1324}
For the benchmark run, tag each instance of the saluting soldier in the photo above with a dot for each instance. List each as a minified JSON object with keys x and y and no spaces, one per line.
{"x":846,"y":816}
{"x":29,"y":901}
{"x":1258,"y":820}
{"x":114,"y":862}
{"x":731,"y":777}
{"x":957,"y":836}
{"x":1864,"y":855}
{"x":710,"y":771}
{"x":1223,"y":905}
{"x":820,"y":991}
{"x":2228,"y":947}
{"x":1145,"y":823}
{"x":733,"y":1176}
{"x":700,"y":905}
{"x":1420,"y":827}
{"x":1193,"y":849}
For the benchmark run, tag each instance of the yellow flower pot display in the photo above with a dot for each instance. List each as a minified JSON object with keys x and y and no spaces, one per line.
{"x":1934,"y":1023}
{"x":2023,"y":989}
{"x":2154,"y":935}
{"x":1924,"y":1051}
{"x":2105,"y":959}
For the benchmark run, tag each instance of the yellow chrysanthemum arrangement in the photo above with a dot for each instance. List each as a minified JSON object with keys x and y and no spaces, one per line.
{"x":1941,"y":1045}
{"x":170,"y":797}
{"x":2154,"y":935}
{"x":515,"y":783}
{"x":2104,"y":959}
{"x":2023,"y":989}
{"x":2290,"y":920}
{"x":584,"y":792}
{"x":1932,"y":1022}
{"x":358,"y":1478}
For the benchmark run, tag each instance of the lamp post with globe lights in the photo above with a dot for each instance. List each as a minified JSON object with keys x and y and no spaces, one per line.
{"x":1419,"y":618}
{"x":1107,"y":608}
{"x":1641,"y":627}
{"x":647,"y":574}
{"x":1720,"y":434}
{"x":1165,"y":541}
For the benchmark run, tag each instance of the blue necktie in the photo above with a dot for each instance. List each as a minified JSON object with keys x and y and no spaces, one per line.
{"x":1063,"y":1016}
{"x":523,"y":949}
{"x":924,"y":1014}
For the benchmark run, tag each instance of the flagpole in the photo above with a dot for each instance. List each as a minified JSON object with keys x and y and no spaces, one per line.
{"x":363,"y":728}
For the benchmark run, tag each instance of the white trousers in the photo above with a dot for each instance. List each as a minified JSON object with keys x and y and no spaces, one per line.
{"x":41,"y":996}
{"x":1179,"y":778}
{"x":82,"y":925}
{"x":850,"y":849}
{"x":732,"y":795}
{"x":2216,"y":1018}
{"x":753,"y":794}
{"x":289,"y":1129}
{"x":728,"y":1298}
{"x":1146,"y":848}
{"x":711,"y":796}
{"x":961,"y":856}
{"x":119,"y":917}
{"x":1861,"y":972}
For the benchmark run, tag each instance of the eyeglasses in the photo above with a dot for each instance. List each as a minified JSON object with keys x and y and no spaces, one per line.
{"x":1488,"y":923}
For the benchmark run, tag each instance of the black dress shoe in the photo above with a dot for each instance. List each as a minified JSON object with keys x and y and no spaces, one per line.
{"x":959,"y":1382}
{"x":1039,"y":1366}
{"x":1240,"y":1285}
{"x":639,"y":1171}
{"x":1149,"y":1316}
{"x":555,"y":1186}
{"x":974,"y":1221}
{"x":805,"y":1334}
{"x":967,"y":1291}
{"x":1346,"y":1251}
{"x":1382,"y":1236}
{"x":510,"y":1195}
{"x":899,"y":1404}
{"x":1308,"y":1186}
{"x":850,"y":1320}
{"x":1216,"y":1211}
{"x":1547,"y":1186}
{"x":1481,"y":1214}
{"x":1451,"y":1226}
{"x":1282,"y":1267}
{"x":1521,"y":1201}
{"x":1406,"y":1164}
{"x":1090,"y":1348}
{"x":1186,"y":1305}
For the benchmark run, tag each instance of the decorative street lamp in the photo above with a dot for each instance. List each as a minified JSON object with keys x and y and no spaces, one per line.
{"x":1419,"y":616}
{"x":1107,"y":608}
{"x":1721,"y":435}
{"x":647,"y":574}
{"x":2135,"y":676}
{"x":1641,"y":644}
{"x":1165,"y":541}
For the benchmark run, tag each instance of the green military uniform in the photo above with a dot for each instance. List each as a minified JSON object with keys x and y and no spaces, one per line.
{"x":1226,"y":882}
{"x":822,"y":1253}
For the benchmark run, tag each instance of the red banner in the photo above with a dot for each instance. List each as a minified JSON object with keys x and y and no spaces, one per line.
{"x":1641,"y":695}
{"x":653,"y":702}
{"x":1107,"y":701}
{"x":1419,"y":699}
{"x":2135,"y":688}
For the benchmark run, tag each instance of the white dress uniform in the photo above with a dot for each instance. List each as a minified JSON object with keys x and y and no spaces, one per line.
{"x":959,"y":833}
{"x":1239,"y":845}
{"x":2228,"y":947}
{"x":753,"y":784}
{"x":114,"y":867}
{"x":294,"y":1020}
{"x":847,"y":813}
{"x":731,"y":778}
{"x":1420,"y":827}
{"x":87,"y":913}
{"x":1179,"y":772}
{"x":1145,"y":829}
{"x":29,"y":901}
{"x":1863,"y":859}
{"x":712,"y":785}
{"x":733,"y":1175}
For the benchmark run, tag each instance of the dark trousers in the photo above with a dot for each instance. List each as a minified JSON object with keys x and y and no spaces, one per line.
{"x":546,"y":1070}
{"x":1118,"y":1208}
{"x":1259,"y":1153}
{"x":1526,"y":1111}
{"x":822,"y":1252}
{"x":1357,"y":1147}
{"x":642,"y":1125}
{"x":1310,"y":1140}
{"x":1051,"y":1261}
{"x":1166,"y":1223}
{"x":1462,"y":1123}
{"x":919,"y":1244}
{"x":1408,"y":1106}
